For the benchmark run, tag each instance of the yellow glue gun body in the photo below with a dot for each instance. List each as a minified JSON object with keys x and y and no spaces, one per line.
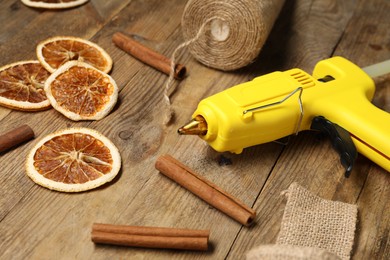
{"x":279,"y":104}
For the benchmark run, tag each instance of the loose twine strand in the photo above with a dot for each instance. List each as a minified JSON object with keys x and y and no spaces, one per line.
{"x":168,"y":85}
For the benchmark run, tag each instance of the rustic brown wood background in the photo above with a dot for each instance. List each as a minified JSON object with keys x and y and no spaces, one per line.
{"x":36,"y":223}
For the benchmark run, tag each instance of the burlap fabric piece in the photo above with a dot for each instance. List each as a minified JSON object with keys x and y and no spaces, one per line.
{"x":312,"y":228}
{"x":311,"y":221}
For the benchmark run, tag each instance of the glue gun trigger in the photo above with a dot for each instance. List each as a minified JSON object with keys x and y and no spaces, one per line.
{"x":341,"y":141}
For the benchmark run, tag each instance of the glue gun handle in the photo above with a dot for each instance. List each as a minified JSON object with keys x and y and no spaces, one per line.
{"x":369,"y":129}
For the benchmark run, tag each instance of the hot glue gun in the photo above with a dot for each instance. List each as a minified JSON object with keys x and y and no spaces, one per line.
{"x":335,"y":100}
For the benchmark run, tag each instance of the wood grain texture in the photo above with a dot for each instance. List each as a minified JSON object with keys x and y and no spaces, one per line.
{"x":36,"y":223}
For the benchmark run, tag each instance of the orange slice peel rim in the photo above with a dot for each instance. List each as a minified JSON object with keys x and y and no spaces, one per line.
{"x":102,"y":52}
{"x":23,"y":105}
{"x":75,"y":116}
{"x":38,"y":178}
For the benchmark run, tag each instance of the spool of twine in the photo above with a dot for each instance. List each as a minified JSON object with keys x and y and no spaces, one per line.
{"x":234,"y":33}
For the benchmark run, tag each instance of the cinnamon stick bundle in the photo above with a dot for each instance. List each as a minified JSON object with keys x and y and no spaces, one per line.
{"x":14,"y":137}
{"x":147,"y":55}
{"x":204,"y":189}
{"x":150,"y":237}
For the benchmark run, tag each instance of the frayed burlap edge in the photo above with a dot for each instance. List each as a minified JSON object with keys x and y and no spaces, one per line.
{"x":311,"y":221}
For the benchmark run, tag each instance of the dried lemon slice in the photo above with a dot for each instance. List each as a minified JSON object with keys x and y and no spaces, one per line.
{"x":73,"y":160}
{"x":81,"y":92}
{"x":56,"y":51}
{"x":21,"y":86}
{"x":54,"y":4}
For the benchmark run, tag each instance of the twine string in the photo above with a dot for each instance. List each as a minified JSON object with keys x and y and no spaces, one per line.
{"x":170,"y":81}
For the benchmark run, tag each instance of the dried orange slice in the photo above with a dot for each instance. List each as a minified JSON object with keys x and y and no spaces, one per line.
{"x":53,"y":4}
{"x":21,"y":86}
{"x":73,"y":160}
{"x":81,"y":92}
{"x":56,"y":51}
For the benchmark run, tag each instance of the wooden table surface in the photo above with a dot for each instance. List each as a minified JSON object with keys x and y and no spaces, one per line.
{"x":36,"y":223}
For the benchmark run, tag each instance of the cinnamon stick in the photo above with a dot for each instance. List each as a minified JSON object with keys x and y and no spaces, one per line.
{"x":147,"y":55}
{"x":15,"y":137}
{"x":150,"y":237}
{"x":206,"y":190}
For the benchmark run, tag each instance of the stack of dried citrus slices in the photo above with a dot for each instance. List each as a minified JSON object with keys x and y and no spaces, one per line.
{"x":71,"y":76}
{"x":79,"y":86}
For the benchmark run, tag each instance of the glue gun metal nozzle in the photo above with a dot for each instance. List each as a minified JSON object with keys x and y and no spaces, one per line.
{"x":197,"y":126}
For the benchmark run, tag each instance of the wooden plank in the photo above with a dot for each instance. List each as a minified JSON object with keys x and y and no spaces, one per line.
{"x":56,"y":225}
{"x":305,"y":33}
{"x":29,"y":26}
{"x":372,"y":236}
